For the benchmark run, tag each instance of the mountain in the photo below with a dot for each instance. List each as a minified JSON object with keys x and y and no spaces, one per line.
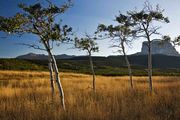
{"x":33,"y":56}
{"x":159,"y":47}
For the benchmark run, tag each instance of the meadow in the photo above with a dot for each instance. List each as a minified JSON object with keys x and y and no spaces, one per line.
{"x":27,"y":96}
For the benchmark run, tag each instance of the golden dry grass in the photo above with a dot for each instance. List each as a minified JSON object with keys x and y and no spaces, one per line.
{"x":27,"y":96}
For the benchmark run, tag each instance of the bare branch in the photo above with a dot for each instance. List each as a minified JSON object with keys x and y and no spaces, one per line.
{"x":154,"y":30}
{"x":32,"y":46}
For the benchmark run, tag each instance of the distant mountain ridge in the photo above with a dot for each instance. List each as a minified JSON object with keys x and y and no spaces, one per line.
{"x":159,"y":60}
{"x":158,"y":46}
{"x":33,"y":56}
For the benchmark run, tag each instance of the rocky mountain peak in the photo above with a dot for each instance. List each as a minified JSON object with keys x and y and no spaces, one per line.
{"x":159,"y":47}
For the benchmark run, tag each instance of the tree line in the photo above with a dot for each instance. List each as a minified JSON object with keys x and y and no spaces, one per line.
{"x":40,"y":21}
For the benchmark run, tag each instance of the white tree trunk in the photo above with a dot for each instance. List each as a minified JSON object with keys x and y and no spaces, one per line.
{"x":60,"y":88}
{"x":150,"y":67}
{"x":149,"y":61}
{"x":93,"y":73}
{"x":56,"y":71}
{"x":51,"y":78}
{"x":130,"y":71}
{"x":128,"y":64}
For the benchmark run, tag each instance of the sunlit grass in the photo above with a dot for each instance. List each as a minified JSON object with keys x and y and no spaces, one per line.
{"x":27,"y":96}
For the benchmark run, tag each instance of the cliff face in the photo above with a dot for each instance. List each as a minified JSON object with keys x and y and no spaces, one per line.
{"x":159,"y":47}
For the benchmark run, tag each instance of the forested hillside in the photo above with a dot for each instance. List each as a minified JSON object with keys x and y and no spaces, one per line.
{"x":112,"y":65}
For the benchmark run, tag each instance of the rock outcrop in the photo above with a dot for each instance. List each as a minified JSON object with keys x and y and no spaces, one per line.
{"x":159,"y":47}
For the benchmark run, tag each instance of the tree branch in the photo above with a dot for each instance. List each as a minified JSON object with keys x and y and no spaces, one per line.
{"x":32,"y":46}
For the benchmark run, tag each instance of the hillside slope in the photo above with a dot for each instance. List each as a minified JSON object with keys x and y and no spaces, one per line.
{"x":112,"y":65}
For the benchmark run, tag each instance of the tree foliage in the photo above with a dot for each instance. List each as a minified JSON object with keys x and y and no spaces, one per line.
{"x":39,"y":20}
{"x":122,"y":33}
{"x":145,"y":19}
{"x":175,"y":41}
{"x":87,"y":43}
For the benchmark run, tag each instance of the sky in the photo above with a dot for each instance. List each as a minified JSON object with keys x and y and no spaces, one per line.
{"x":84,"y":16}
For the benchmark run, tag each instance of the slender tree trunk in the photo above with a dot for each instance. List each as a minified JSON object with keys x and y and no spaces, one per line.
{"x":150,"y":66}
{"x":128,"y":64}
{"x":51,"y":77}
{"x":56,"y":71}
{"x":149,"y":60}
{"x":130,"y":71}
{"x":93,"y":73}
{"x":60,"y":88}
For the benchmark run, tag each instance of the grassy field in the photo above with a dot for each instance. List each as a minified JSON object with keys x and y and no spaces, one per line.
{"x":27,"y":96}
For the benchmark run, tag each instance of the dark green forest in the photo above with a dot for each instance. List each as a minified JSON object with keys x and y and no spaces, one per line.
{"x":108,"y":66}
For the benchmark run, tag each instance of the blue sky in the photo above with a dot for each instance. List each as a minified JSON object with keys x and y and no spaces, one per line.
{"x":85,"y":16}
